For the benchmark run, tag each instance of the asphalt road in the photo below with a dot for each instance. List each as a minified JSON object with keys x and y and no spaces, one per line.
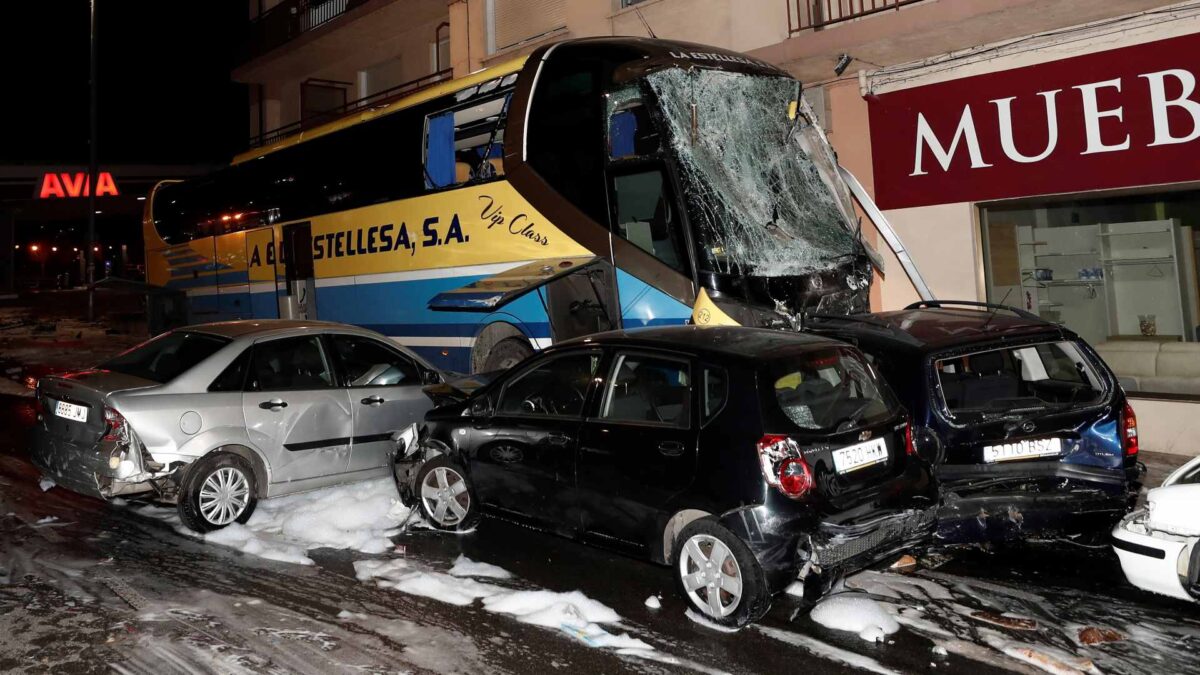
{"x":102,"y":588}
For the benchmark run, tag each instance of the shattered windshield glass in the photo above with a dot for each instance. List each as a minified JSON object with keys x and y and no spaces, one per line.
{"x":762,"y":190}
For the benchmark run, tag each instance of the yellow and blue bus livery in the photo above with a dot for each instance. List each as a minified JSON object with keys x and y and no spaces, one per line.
{"x":600,"y":183}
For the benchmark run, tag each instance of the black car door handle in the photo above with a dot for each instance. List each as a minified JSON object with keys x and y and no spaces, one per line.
{"x":273,"y":404}
{"x":670,"y":448}
{"x":558,"y":439}
{"x":373,"y":400}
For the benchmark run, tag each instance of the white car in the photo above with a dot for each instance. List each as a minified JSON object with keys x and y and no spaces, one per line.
{"x":1157,"y":545}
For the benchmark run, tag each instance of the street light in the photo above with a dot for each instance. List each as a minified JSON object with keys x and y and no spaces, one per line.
{"x":54,"y":249}
{"x":33,"y":248}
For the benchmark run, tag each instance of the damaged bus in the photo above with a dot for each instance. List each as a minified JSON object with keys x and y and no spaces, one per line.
{"x":596,"y":184}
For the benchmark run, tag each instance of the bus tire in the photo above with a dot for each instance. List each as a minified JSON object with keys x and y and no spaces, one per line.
{"x":507,"y":353}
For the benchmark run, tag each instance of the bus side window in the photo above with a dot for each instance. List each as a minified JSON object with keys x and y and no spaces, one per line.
{"x":646,"y":217}
{"x":465,"y":144}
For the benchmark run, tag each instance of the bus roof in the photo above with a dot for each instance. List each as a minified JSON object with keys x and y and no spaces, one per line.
{"x":428,"y":93}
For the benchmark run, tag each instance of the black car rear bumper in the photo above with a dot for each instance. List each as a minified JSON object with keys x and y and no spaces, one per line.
{"x":1048,"y":503}
{"x":789,"y":539}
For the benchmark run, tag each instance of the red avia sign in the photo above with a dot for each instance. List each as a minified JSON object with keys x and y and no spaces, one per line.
{"x":61,"y":185}
{"x":1120,"y":118}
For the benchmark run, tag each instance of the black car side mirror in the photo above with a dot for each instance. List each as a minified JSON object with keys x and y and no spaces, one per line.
{"x":481,"y":407}
{"x":431,"y":377}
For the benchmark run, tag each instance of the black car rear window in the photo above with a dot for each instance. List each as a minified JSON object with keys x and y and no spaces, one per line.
{"x":1026,"y":377}
{"x":167,"y":356}
{"x":826,"y":391}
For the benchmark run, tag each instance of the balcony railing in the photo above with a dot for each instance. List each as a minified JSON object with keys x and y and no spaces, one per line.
{"x":806,"y":14}
{"x":288,"y":20}
{"x":373,"y":101}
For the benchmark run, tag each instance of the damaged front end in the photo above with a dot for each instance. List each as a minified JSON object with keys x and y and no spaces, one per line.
{"x":772,"y":220}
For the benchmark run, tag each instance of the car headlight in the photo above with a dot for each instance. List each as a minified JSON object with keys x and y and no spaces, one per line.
{"x":1181,"y":564}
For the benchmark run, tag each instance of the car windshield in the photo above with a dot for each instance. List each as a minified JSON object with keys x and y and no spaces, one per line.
{"x":165,"y":357}
{"x":762,"y":188}
{"x":830,"y":390}
{"x":1016,"y":379}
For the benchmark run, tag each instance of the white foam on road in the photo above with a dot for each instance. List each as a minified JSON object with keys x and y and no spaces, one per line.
{"x":856,"y":614}
{"x":465,"y":567}
{"x":571,"y":612}
{"x":359,"y":516}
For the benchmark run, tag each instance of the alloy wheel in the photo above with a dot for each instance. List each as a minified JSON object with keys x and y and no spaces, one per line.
{"x":445,"y":494}
{"x":711,"y":575}
{"x":224,"y":495}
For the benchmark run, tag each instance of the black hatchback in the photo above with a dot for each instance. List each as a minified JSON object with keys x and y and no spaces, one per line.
{"x":1029,"y":433}
{"x":746,"y":459}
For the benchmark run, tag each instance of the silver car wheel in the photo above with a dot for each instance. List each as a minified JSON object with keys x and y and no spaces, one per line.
{"x":711,"y":575}
{"x":445,"y":494}
{"x":224,"y":495}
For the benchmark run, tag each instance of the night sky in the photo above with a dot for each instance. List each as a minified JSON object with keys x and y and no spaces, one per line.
{"x":165,"y":95}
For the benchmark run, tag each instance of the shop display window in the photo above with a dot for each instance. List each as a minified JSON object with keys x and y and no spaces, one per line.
{"x":1120,"y":272}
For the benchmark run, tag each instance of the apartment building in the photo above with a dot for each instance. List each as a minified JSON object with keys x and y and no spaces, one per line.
{"x":1040,"y":153}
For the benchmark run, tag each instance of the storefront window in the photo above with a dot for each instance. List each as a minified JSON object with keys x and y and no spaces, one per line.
{"x":1120,"y":272}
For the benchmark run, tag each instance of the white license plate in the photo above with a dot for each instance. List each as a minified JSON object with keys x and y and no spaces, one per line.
{"x":71,"y":411}
{"x":1038,"y":447}
{"x":858,"y":456}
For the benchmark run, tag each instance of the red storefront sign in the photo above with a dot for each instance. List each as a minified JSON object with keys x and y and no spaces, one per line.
{"x":1120,"y":118}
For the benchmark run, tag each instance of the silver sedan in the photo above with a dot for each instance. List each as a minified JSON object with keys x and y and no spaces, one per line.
{"x":214,"y":417}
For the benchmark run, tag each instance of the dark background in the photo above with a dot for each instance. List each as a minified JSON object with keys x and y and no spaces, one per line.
{"x":164,"y":90}
{"x":166,"y":109}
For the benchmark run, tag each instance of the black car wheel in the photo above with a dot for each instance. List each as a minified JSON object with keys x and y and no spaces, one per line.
{"x":218,"y":490}
{"x":506,"y":354}
{"x":719,"y":575}
{"x":446,"y":498}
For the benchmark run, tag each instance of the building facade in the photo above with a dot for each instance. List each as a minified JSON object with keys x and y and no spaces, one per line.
{"x":1039,"y":153}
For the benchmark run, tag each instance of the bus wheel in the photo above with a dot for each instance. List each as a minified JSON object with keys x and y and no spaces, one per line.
{"x":507,"y":353}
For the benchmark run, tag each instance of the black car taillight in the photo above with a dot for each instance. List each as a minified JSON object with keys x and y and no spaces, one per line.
{"x":1129,"y":431}
{"x":783,"y":467}
{"x":910,"y":448}
{"x":115,"y":425}
{"x":39,"y":406}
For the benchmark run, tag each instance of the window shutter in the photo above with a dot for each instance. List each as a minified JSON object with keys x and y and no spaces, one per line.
{"x":515,"y":21}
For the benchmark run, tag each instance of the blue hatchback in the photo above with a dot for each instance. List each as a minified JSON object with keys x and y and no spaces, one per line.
{"x":1028,"y":430}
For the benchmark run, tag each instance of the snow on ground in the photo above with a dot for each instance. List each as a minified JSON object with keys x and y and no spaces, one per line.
{"x":359,"y":516}
{"x":855,"y":613}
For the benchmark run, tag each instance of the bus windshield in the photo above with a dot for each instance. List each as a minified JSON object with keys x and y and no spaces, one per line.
{"x":762,"y":189}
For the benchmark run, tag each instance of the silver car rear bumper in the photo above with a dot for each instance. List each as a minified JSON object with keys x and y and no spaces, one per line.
{"x":81,"y":467}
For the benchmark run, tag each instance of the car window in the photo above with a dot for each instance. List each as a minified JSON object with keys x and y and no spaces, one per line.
{"x":648,"y":389}
{"x":1052,"y":374}
{"x":716,"y":390}
{"x":830,"y":390}
{"x":289,"y":363}
{"x":368,"y":363}
{"x":554,"y":388}
{"x":167,"y":356}
{"x":234,"y":375}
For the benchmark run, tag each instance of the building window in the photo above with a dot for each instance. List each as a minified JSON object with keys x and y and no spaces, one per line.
{"x":630,"y":3}
{"x":511,"y":22}
{"x":1120,"y":272}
